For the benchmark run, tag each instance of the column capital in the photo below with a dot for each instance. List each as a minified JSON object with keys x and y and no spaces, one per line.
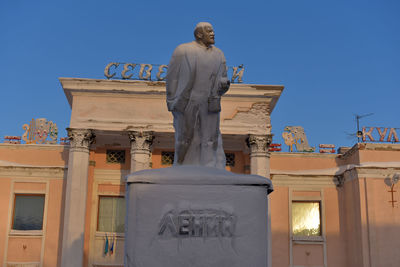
{"x":259,"y":144}
{"x":141,"y":149}
{"x":80,"y":139}
{"x":141,"y":141}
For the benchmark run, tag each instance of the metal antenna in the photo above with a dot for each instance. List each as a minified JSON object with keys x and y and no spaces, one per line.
{"x":358,"y":117}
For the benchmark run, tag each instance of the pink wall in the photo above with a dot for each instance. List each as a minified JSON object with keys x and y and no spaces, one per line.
{"x":5,"y":187}
{"x":54,"y":225}
{"x":280,"y":226}
{"x":36,"y":155}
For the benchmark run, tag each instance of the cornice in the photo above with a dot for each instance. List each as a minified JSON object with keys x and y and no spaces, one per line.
{"x":303,"y":155}
{"x":341,"y":169}
{"x":303,"y":180}
{"x":33,"y":146}
{"x":29,"y":172}
{"x":105,"y":174}
{"x":102,"y":86}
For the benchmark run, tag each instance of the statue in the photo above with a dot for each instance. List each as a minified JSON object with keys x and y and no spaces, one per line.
{"x":196,"y":80}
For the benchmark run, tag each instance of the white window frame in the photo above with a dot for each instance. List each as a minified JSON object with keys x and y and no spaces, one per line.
{"x":307,"y":239}
{"x":98,"y":215}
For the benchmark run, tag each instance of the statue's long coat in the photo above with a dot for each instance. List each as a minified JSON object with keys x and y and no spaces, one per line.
{"x":193,"y":81}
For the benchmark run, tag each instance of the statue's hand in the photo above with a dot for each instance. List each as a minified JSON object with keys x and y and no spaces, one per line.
{"x":224,"y":84}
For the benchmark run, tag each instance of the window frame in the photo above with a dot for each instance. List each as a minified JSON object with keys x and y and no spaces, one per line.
{"x":110,"y":151}
{"x":165,"y":152}
{"x":98,"y":213}
{"x":28,"y":232}
{"x":305,"y":237}
{"x":293,"y":198}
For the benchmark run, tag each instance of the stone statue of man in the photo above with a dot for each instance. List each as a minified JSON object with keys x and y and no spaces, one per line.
{"x":196,"y":80}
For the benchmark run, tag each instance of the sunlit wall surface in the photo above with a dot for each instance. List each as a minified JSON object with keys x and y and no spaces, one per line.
{"x":306,"y":219}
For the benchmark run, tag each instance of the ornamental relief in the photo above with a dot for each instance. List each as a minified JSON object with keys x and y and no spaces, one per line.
{"x":40,"y":131}
{"x":257,"y":114}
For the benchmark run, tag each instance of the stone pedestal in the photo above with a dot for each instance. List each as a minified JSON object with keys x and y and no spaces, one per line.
{"x":75,"y":197}
{"x":196,"y":216}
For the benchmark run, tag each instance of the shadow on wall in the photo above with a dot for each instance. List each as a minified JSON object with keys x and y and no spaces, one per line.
{"x":61,"y":232}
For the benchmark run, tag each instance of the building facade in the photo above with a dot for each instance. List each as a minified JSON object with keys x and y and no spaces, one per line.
{"x":63,"y":205}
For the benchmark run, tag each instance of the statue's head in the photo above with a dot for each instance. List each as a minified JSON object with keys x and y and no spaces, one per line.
{"x":204,"y":33}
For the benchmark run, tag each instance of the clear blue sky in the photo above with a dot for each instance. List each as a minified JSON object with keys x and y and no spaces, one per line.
{"x":335,"y":58}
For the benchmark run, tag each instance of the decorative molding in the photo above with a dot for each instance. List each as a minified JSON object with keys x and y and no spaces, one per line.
{"x":33,"y":146}
{"x":258,"y":115}
{"x":332,"y":177}
{"x":80,"y":139}
{"x":302,"y":181}
{"x":110,"y":175}
{"x":33,"y":173}
{"x":378,"y":166}
{"x":141,"y":141}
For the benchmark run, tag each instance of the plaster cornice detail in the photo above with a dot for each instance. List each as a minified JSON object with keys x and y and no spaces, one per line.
{"x":33,"y":146}
{"x":303,"y":155}
{"x":33,"y":172}
{"x":257,"y":115}
{"x":303,"y":180}
{"x":341,"y":169}
{"x":104,"y":174}
{"x":160,"y":126}
{"x":4,"y":163}
{"x":89,"y":86}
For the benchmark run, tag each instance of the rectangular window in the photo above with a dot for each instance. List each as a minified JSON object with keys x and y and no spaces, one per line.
{"x":111,"y":214}
{"x":230,"y":159}
{"x":167,"y":157}
{"x":115,"y":156}
{"x":306,"y":218}
{"x":28,"y":212}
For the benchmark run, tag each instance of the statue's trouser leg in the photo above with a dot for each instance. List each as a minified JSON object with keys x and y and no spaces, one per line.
{"x":209,"y":129}
{"x":184,"y":124}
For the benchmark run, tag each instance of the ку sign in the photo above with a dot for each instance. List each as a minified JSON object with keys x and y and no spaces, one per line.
{"x":152,"y":72}
{"x":383,"y":134}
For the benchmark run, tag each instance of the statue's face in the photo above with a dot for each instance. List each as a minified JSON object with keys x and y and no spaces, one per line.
{"x":207,"y":36}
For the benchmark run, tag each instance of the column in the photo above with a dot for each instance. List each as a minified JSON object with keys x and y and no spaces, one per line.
{"x":259,"y":164}
{"x":141,"y":150}
{"x":259,"y":155}
{"x":75,"y":197}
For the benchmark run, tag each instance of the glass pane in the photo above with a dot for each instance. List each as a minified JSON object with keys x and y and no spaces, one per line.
{"x":105,"y":214}
{"x":120,"y":215}
{"x":306,"y":219}
{"x":28,"y":212}
{"x":111,"y":214}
